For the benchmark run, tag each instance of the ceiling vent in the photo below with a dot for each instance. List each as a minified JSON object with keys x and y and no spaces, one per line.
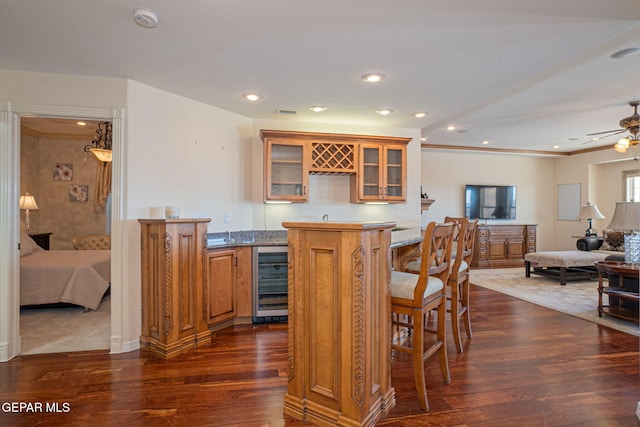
{"x":145,"y":18}
{"x":286,"y":112}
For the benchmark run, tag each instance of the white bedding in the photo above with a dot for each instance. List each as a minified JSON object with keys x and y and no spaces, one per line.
{"x":76,"y":277}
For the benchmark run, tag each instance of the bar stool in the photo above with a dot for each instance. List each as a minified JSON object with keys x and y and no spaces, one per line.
{"x":413,"y":296}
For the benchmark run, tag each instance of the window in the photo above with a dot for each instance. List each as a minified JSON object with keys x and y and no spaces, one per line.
{"x":631,"y":185}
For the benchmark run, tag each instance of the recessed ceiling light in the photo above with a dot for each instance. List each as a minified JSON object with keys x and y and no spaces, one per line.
{"x":625,"y":52}
{"x":595,"y":139}
{"x":419,"y":115}
{"x":373,"y":77}
{"x":555,"y":147}
{"x":423,"y":138}
{"x":451,"y":127}
{"x":81,"y":123}
{"x":485,"y":142}
{"x":146,"y":18}
{"x":252,"y":96}
{"x":384,"y":111}
{"x":318,"y":108}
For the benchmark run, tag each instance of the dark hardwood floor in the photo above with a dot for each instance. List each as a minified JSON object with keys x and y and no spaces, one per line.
{"x":525,"y":366}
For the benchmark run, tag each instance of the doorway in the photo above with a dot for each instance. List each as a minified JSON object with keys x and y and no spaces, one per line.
{"x":10,"y":115}
{"x":57,"y":172}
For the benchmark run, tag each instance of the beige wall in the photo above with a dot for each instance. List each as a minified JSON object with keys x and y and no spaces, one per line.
{"x":445,"y":174}
{"x":57,"y":214}
{"x":600,"y":175}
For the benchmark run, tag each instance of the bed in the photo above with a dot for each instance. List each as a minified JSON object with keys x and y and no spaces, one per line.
{"x":75,"y":277}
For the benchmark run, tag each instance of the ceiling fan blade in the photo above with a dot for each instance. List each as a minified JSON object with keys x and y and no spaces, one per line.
{"x":617,"y":131}
{"x":603,"y":137}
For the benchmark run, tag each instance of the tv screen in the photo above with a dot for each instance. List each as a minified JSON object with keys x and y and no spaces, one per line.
{"x":490,"y":201}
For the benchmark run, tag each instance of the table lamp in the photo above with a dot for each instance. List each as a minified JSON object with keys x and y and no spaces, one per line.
{"x":27,"y":203}
{"x":589,"y":212}
{"x":626,"y":218}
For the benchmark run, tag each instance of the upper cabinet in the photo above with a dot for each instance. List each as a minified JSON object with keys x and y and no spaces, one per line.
{"x":286,"y":170}
{"x":377,"y":164}
{"x":382,"y":174}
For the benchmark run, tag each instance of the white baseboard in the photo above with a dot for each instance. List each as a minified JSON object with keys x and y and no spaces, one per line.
{"x":118,"y":346}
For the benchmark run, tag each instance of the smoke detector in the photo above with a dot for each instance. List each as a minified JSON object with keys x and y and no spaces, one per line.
{"x":146,"y":18}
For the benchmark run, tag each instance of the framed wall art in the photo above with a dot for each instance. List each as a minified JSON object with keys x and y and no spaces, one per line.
{"x":78,"y":193}
{"x":62,"y":171}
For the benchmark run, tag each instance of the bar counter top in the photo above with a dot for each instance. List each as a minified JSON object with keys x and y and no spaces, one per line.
{"x":400,"y":236}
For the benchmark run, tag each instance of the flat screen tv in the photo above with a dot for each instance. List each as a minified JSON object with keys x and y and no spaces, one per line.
{"x":490,"y":201}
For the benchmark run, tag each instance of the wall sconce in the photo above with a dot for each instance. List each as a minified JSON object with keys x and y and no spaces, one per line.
{"x":589,"y":212}
{"x":626,"y":217}
{"x":27,"y":203}
{"x":101,"y":144}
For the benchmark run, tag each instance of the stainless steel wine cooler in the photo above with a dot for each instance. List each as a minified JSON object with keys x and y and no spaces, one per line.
{"x":270,"y":286}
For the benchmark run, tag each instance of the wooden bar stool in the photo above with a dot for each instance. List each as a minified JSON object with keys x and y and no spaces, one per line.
{"x":413,"y":296}
{"x":458,"y":282}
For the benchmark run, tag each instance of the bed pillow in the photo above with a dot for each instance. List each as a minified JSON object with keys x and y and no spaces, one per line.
{"x":28,"y":245}
{"x":25,"y":245}
{"x":612,"y":241}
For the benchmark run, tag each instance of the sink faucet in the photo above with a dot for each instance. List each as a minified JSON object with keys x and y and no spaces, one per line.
{"x":325,"y":217}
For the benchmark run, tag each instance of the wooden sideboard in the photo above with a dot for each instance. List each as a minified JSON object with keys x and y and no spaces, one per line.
{"x":503,"y":245}
{"x":174,"y":285}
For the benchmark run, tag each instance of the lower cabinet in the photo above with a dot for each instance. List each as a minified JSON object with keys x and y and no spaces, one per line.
{"x":228,"y":293}
{"x":503,"y":245}
{"x":173,"y":282}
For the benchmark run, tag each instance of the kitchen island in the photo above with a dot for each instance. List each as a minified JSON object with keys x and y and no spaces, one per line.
{"x":339,"y":323}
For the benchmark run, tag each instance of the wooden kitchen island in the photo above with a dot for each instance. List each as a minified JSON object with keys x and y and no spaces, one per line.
{"x":339,"y":325}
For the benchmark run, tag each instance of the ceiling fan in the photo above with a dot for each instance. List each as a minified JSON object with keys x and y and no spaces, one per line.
{"x":630,"y":124}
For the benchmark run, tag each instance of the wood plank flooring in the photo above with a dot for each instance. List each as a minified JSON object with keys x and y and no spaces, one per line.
{"x":525,"y":366}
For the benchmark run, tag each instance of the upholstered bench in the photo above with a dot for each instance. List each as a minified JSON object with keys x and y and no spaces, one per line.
{"x":563,"y":265}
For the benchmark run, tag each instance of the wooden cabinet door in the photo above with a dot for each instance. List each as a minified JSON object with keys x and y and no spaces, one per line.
{"x":222,"y":286}
{"x":515,"y":248}
{"x":244,"y":294}
{"x":497,"y":249}
{"x":382,"y":174}
{"x":370,"y":173}
{"x":286,"y":171}
{"x":395,"y":177}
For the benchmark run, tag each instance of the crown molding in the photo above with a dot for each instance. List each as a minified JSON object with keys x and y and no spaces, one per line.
{"x":512,"y":150}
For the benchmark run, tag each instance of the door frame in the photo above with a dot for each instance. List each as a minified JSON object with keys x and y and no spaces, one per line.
{"x":10,"y":340}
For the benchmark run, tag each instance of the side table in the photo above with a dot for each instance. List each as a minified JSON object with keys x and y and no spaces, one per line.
{"x":42,"y":239}
{"x":623,"y":294}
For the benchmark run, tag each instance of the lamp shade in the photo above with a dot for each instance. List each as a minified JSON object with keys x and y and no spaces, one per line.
{"x":28,"y":202}
{"x":626,"y":217}
{"x":590,"y":211}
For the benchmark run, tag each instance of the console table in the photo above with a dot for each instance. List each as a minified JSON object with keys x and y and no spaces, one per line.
{"x":622,"y":290}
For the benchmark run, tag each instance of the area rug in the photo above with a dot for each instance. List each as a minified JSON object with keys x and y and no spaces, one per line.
{"x":579,"y":298}
{"x":64,"y":329}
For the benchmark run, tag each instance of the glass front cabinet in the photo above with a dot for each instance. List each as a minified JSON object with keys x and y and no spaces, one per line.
{"x":286,"y":171}
{"x":382,"y":174}
{"x":377,"y":165}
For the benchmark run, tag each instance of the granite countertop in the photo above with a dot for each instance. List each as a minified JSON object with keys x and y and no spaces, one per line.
{"x":246,"y":238}
{"x":406,"y":236}
{"x":219,"y":240}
